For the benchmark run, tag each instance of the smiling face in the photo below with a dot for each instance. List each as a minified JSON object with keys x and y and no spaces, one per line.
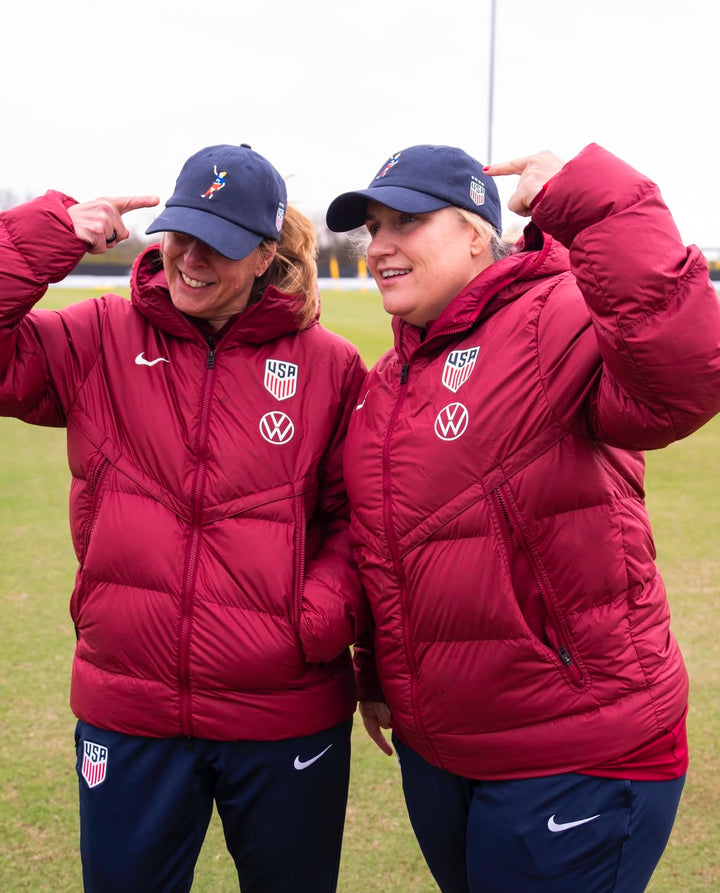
{"x":421,"y":261}
{"x":204,"y":283}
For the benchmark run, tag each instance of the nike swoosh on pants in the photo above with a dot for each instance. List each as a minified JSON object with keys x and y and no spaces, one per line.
{"x":303,"y":764}
{"x":563,"y":826}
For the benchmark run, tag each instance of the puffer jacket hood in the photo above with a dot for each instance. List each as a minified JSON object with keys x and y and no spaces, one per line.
{"x":274,"y":316}
{"x":537,"y":258}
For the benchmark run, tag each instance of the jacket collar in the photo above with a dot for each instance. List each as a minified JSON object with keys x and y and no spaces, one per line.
{"x":538,"y":257}
{"x":273,"y":316}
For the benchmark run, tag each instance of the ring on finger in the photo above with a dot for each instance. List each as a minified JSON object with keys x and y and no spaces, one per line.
{"x":112,"y":238}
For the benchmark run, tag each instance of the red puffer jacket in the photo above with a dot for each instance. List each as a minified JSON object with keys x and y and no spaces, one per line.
{"x":496,"y":481}
{"x":207,"y":507}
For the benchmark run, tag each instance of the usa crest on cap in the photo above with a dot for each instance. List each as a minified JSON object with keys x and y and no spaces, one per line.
{"x":477,"y":191}
{"x":279,"y":216}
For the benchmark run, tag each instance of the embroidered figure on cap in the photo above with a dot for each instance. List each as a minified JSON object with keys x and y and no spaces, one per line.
{"x":217,"y":183}
{"x":391,"y":163}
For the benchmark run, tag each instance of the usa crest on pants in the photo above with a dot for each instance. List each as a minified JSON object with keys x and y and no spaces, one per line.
{"x":94,"y":763}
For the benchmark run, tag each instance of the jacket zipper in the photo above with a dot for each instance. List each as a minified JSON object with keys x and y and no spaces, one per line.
{"x":299,"y":564}
{"x":394,"y":551}
{"x":188,"y":591}
{"x":558,"y":621}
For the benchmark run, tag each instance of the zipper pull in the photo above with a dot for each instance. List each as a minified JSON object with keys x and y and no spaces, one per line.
{"x":565,"y":656}
{"x":211,"y":354}
{"x":404,"y":373}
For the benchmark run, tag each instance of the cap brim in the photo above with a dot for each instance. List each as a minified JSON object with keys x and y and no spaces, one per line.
{"x":348,"y":211}
{"x":228,"y":239}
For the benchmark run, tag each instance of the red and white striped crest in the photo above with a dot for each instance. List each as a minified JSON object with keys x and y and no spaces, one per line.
{"x":281,"y":378}
{"x":477,"y":191}
{"x":458,"y":367}
{"x":94,"y":764}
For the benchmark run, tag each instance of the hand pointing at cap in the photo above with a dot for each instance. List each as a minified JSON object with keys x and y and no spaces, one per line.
{"x":534,"y":170}
{"x":99,"y":222}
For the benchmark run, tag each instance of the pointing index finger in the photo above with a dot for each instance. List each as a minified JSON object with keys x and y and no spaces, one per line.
{"x":502,"y":168}
{"x":125,"y":203}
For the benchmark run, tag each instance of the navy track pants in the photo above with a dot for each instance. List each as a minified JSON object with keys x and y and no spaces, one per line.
{"x":145,"y":805}
{"x":554,"y":834}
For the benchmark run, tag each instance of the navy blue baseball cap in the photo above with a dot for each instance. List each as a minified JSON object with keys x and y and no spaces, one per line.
{"x":227,"y":196}
{"x":421,"y":179}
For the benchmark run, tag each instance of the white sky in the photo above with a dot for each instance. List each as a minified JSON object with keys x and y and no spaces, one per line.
{"x":101,"y":98}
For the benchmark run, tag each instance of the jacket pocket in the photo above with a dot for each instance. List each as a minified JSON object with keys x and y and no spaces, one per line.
{"x":96,"y":487}
{"x":300,"y":560}
{"x":533,"y":590}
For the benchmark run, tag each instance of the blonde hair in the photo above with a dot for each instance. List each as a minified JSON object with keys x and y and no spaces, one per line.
{"x":499,"y":247}
{"x":293,"y":269}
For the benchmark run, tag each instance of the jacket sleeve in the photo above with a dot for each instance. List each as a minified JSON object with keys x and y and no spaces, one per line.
{"x":654,"y":313}
{"x":367,"y":680}
{"x":334,"y":612}
{"x":37,"y":246}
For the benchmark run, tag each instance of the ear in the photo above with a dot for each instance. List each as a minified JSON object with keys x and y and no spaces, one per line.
{"x":479,"y":242}
{"x":266,"y":254}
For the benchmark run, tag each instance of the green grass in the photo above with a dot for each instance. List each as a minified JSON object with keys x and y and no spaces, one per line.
{"x":38,"y":799}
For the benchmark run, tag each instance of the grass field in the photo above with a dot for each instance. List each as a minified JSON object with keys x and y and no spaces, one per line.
{"x":38,"y":811}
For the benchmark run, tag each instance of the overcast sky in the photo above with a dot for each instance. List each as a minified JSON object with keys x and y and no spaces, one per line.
{"x":110,"y":98}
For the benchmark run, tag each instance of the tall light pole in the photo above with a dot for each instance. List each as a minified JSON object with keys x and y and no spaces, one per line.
{"x":491,"y":82}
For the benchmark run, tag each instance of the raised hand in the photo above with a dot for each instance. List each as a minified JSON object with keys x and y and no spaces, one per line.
{"x":99,"y":222}
{"x":534,"y":170}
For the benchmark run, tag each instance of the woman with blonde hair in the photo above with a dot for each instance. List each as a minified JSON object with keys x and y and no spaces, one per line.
{"x":522,"y":652}
{"x":214,"y":597}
